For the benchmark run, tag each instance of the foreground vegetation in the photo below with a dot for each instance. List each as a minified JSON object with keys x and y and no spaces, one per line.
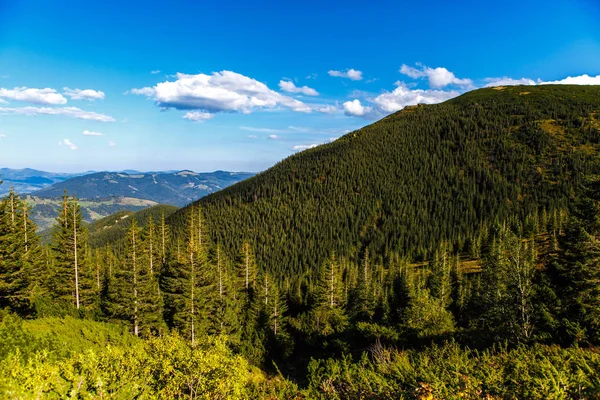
{"x":69,"y":358}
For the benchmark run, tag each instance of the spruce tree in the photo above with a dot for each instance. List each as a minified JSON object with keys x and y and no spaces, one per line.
{"x":72,"y":279}
{"x":21,"y":258}
{"x":575,"y":274}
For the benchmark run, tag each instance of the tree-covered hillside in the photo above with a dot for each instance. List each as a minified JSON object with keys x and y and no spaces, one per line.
{"x":112,"y":229}
{"x":422,"y":176}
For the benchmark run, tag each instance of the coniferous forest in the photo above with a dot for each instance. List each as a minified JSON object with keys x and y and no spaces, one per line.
{"x":447,"y":251}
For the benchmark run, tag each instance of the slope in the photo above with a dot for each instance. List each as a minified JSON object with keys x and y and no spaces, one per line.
{"x":112,"y":229}
{"x":422,"y":176}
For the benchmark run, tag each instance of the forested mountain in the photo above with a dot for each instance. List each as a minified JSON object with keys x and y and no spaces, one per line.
{"x":426,"y":175}
{"x":176,"y":188}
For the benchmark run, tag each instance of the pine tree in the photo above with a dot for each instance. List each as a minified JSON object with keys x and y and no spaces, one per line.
{"x":362,"y":306}
{"x":187,"y":291}
{"x":133,"y":293}
{"x":226,"y":307}
{"x":165,"y":238}
{"x":575,"y":274}
{"x":21,"y":259}
{"x":71,"y":279}
{"x":246,"y":270}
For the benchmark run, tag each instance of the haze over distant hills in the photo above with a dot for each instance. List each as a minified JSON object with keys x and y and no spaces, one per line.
{"x":28,"y":180}
{"x":104,"y":193}
{"x":176,"y":188}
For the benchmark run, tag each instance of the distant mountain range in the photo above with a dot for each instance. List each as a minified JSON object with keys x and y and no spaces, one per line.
{"x":103,"y":193}
{"x":29,"y":180}
{"x":175,"y":188}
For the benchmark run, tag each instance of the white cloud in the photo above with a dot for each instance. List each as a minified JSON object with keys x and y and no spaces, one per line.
{"x":356,"y":109}
{"x":351,"y":74}
{"x":506,"y":81}
{"x":312,"y":76}
{"x":584,"y":79}
{"x":224,"y":91}
{"x":274,"y":137}
{"x":262,"y":130}
{"x":147,"y":91}
{"x":156,"y":71}
{"x":68,"y":143}
{"x":438,"y":77}
{"x":111,"y":143}
{"x":90,"y":133}
{"x":403,"y":96}
{"x":83,"y":94}
{"x":72,"y":112}
{"x":327,"y":109}
{"x":45,"y":96}
{"x":252,"y":136}
{"x":2,"y":135}
{"x":290,"y":87}
{"x":198,"y":116}
{"x":301,"y":147}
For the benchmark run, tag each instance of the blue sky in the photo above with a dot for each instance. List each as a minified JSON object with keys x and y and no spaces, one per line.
{"x":242,"y":85}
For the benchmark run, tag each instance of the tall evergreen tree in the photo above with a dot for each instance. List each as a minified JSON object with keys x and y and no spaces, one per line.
{"x":71,"y":279}
{"x":21,"y":259}
{"x":575,"y":274}
{"x":133,"y":294}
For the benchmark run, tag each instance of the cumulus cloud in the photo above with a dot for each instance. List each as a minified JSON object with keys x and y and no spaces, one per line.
{"x":68,"y":143}
{"x":2,"y":135}
{"x":156,"y":71}
{"x":45,"y":96}
{"x":356,"y":109}
{"x":301,"y":147}
{"x":90,"y":133}
{"x":290,"y":87}
{"x":83,"y":94}
{"x":351,"y":74}
{"x":198,"y":116}
{"x":111,"y":143}
{"x":584,"y":79}
{"x":274,"y":137}
{"x":403,"y":96}
{"x":224,"y":91}
{"x":72,"y":112}
{"x":506,"y":81}
{"x":437,"y":77}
